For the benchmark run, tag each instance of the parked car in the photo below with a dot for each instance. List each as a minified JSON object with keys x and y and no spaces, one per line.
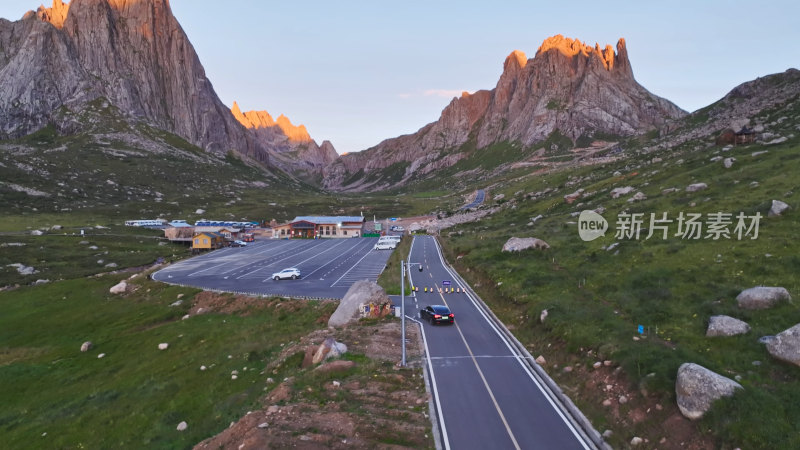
{"x":284,"y":274}
{"x":437,"y":314}
{"x":385,"y":245}
{"x":238,"y":243}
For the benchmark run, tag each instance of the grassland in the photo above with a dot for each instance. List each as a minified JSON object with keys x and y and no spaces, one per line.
{"x":54,"y":396}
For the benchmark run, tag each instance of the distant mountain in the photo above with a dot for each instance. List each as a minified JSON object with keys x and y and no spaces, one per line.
{"x":291,"y":146}
{"x":569,"y":87}
{"x":134,"y":55}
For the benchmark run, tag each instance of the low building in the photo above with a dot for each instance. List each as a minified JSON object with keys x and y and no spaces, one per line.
{"x":229,"y":233}
{"x":320,"y":227}
{"x":208,"y":240}
{"x":179,"y":234}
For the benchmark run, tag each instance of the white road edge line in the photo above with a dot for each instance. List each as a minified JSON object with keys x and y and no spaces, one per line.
{"x":527,"y":369}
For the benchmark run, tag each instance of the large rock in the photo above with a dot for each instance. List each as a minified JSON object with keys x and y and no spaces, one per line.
{"x":778,"y":207}
{"x":617,"y":192}
{"x":696,"y":187}
{"x":697,"y":388}
{"x":762,"y":297}
{"x":86,"y":346}
{"x":329,"y":349}
{"x":786,"y":345}
{"x":119,"y":288}
{"x":726,"y":326}
{"x":361,"y":292}
{"x":516,"y":244}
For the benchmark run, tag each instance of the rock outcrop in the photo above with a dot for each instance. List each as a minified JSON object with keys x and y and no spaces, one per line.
{"x":516,"y":244}
{"x":361,"y":292}
{"x":291,"y":147}
{"x":726,"y":326}
{"x":762,"y":297}
{"x":785,"y":346}
{"x":777,"y":208}
{"x":568,"y":86}
{"x":697,"y":388}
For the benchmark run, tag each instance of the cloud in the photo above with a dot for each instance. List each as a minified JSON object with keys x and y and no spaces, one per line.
{"x":447,"y":93}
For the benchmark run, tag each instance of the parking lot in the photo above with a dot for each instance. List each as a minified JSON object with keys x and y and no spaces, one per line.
{"x":328,"y":266}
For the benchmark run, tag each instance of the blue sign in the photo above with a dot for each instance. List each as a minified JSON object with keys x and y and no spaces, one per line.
{"x":393,"y":219}
{"x":445,"y":283}
{"x":641,"y":329}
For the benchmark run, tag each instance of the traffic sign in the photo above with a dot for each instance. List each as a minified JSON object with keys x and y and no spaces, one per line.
{"x":445,"y":283}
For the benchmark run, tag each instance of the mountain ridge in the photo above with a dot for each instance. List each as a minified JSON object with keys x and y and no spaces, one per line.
{"x":568,"y":86}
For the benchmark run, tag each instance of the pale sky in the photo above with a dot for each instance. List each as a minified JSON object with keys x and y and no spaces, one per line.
{"x":358,"y":72}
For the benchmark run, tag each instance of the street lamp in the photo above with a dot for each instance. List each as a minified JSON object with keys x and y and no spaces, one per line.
{"x":403,"y":266}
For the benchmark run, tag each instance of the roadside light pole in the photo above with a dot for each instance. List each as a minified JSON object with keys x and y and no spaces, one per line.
{"x":403,"y":266}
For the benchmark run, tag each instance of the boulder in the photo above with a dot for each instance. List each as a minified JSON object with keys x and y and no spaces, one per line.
{"x":762,"y":297}
{"x":697,"y":388}
{"x":785,"y":346}
{"x":726,"y":326}
{"x":778,"y":207}
{"x":37,"y":232}
{"x":163,"y":346}
{"x":570,"y":198}
{"x":200,"y":211}
{"x":329,"y":349}
{"x":696,"y":187}
{"x":499,"y":197}
{"x":336,"y":366}
{"x":518,"y":244}
{"x":728,"y":162}
{"x":361,"y":292}
{"x":182,"y":426}
{"x":616,"y":192}
{"x":668,"y":191}
{"x":86,"y":346}
{"x":639,"y":196}
{"x":119,"y":288}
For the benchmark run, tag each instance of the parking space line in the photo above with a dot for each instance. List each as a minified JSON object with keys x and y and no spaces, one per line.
{"x":307,"y":248}
{"x":354,"y":266}
{"x":331,"y":261}
{"x":314,"y":256}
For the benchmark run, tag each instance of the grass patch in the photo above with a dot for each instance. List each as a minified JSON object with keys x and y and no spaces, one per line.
{"x":390,"y":278}
{"x":136,"y":395}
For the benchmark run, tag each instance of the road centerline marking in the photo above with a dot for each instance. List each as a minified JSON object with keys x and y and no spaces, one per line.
{"x":485,"y":382}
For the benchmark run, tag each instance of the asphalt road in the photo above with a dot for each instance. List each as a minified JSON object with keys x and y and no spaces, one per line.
{"x":328,"y":267}
{"x":478,"y":200}
{"x":487,"y":397}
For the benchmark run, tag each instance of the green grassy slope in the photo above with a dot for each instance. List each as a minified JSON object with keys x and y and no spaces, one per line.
{"x":54,"y":396}
{"x":597,"y":298}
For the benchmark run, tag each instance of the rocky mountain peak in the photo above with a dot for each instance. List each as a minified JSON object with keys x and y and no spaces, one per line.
{"x":295,"y":133}
{"x":55,"y":15}
{"x":573,"y":47}
{"x":515,"y":60}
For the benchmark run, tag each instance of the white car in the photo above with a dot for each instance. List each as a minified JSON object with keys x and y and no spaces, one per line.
{"x":385,"y":245}
{"x":284,"y":274}
{"x":238,"y":243}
